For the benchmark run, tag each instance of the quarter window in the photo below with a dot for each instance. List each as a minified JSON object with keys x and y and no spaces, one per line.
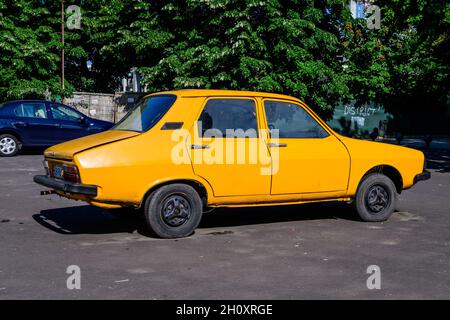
{"x":292,"y":121}
{"x":31,"y":110}
{"x":228,"y":118}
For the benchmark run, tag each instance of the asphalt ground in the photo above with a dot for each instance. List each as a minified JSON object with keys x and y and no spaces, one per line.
{"x":316,"y":251}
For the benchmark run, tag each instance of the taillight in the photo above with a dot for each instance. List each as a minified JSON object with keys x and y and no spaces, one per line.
{"x":70,"y":173}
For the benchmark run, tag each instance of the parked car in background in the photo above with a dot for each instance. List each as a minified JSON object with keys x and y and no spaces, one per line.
{"x":178,"y":153}
{"x":42,"y":123}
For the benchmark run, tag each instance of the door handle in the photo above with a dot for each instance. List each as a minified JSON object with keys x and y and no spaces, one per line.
{"x":277,"y":145}
{"x":199,"y":146}
{"x":19,"y":124}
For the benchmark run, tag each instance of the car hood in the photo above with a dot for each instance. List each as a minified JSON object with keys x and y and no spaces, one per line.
{"x":372,"y":149}
{"x":379,"y":153}
{"x":68,"y":149}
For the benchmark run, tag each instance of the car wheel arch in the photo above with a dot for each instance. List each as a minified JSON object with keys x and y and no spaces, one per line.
{"x":198,"y":187}
{"x":389,"y":171}
{"x":13,"y":133}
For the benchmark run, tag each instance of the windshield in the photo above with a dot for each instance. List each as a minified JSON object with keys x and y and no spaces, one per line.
{"x":146,"y":113}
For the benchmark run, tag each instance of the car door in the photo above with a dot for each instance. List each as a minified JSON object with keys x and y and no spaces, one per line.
{"x":224,"y":148}
{"x":307,"y":158}
{"x":34,"y":124}
{"x":72,"y":124}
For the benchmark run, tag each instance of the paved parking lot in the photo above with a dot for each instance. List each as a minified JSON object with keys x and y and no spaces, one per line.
{"x":295,"y":252}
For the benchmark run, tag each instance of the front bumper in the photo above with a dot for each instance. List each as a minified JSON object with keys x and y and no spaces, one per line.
{"x":65,"y":186}
{"x":425,"y":175}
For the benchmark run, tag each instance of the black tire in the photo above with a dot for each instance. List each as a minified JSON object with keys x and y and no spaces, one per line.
{"x":126,"y":213}
{"x":9,"y":145}
{"x":173,"y":211}
{"x":376,"y":198}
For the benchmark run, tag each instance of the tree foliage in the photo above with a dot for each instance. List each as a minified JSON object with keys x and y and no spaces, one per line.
{"x":28,"y":50}
{"x":312,"y":49}
{"x":407,"y":58}
{"x":405,"y":64}
{"x":277,"y":46}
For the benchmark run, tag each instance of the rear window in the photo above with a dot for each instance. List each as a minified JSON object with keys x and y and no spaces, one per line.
{"x":146,"y":113}
{"x":31,"y":110}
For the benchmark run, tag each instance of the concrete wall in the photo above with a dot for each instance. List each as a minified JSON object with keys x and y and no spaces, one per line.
{"x":103,"y":106}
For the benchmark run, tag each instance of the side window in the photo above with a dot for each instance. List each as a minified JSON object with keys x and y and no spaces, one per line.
{"x":228,"y":118}
{"x":292,"y":121}
{"x":60,"y":112}
{"x":31,"y":110}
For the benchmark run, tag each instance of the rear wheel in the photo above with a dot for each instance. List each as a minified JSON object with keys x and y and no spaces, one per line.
{"x":173,"y":211}
{"x":9,"y":145}
{"x":376,"y":198}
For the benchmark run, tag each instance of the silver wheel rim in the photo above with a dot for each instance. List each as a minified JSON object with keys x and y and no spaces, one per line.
{"x":7,"y":145}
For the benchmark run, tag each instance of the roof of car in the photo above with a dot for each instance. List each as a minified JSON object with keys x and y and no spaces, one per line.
{"x":7,"y":103}
{"x":26,"y":100}
{"x":216,"y":92}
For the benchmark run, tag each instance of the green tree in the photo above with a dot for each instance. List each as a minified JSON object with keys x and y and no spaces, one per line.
{"x":29,"y":50}
{"x":405,"y":64}
{"x":115,"y":36}
{"x":278,"y":46}
{"x":311,"y":49}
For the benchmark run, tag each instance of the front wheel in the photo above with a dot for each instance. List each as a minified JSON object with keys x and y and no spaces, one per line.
{"x":376,"y":198}
{"x":173,"y":211}
{"x":9,"y":145}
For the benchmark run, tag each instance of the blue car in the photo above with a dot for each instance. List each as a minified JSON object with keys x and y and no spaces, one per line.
{"x":42,"y":123}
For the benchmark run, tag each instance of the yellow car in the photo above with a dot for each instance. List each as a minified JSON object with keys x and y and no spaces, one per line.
{"x":178,"y":153}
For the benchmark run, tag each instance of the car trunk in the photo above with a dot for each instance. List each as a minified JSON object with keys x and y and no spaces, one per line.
{"x":67,"y":150}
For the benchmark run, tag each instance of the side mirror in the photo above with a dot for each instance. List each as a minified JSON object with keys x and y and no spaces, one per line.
{"x":83,"y":120}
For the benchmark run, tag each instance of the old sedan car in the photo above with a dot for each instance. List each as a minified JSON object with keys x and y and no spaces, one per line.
{"x":42,"y":123}
{"x":178,"y":153}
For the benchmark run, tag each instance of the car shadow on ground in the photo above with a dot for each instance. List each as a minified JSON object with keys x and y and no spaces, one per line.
{"x":438,"y":159}
{"x":92,"y":220}
{"x":29,"y":151}
{"x":88,"y":220}
{"x":230,"y":217}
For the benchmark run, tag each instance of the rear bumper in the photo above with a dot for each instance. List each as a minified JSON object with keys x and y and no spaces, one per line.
{"x":65,"y":186}
{"x":425,"y":175}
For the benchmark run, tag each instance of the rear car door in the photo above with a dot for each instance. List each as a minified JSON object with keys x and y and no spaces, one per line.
{"x":224,"y":150}
{"x":71,"y":123}
{"x":309,"y":159}
{"x":34,"y":123}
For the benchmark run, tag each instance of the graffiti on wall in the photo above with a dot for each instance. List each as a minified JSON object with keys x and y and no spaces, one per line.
{"x":351,"y":119}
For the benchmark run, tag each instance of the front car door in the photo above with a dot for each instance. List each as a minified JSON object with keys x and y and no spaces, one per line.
{"x":307,"y":159}
{"x":226,"y":148}
{"x":71,"y":123}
